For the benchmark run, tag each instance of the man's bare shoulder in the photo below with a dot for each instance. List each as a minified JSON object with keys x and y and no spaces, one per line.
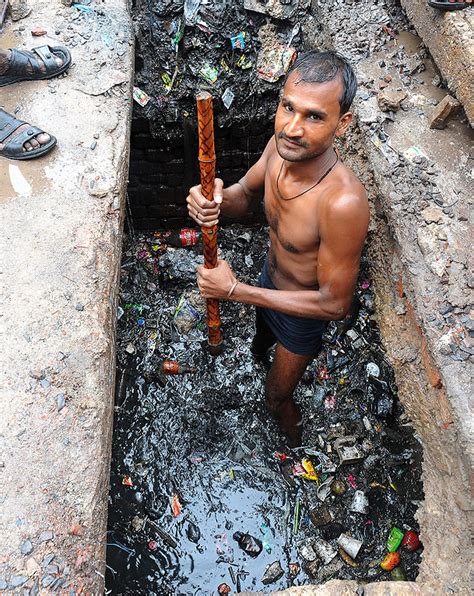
{"x":345,"y":209}
{"x":346,"y":193}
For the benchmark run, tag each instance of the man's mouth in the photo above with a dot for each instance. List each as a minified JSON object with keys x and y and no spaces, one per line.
{"x":291,"y":142}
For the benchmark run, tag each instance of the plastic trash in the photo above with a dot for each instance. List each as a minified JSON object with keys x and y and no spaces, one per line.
{"x":350,"y":545}
{"x":251,"y":545}
{"x":411,"y":541}
{"x":390,"y":561}
{"x":394,"y":539}
{"x":272,"y":573}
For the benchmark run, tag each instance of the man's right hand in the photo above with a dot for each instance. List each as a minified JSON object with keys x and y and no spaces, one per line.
{"x":204,"y":212}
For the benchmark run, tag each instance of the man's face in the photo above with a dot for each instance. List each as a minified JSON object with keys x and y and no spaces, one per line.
{"x":308,"y":118}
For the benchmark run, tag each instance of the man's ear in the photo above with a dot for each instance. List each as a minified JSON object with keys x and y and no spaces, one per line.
{"x":343,"y":124}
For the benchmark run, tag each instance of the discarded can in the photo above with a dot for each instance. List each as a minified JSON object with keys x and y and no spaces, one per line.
{"x":152,"y":545}
{"x":338,"y":487}
{"x":411,"y":541}
{"x":372,"y":370}
{"x":390,"y":561}
{"x":397,"y":575}
{"x":325,"y":488}
{"x":252,"y":546}
{"x":394,"y":539}
{"x":294,"y":569}
{"x":272,"y":573}
{"x":172,"y":367}
{"x":307,"y":551}
{"x":360,"y":503}
{"x":350,"y":545}
{"x":348,"y":452}
{"x":320,"y":516}
{"x":324,"y":551}
{"x":223,"y":589}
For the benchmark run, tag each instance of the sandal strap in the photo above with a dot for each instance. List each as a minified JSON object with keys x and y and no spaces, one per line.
{"x":47,"y":56}
{"x":15,"y":145}
{"x":8,"y":125}
{"x":21,"y":59}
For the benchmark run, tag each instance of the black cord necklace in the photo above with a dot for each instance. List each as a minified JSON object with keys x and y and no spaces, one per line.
{"x":308,"y":189}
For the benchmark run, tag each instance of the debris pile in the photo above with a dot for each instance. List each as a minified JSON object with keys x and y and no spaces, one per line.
{"x":235,"y":50}
{"x":205,"y":494}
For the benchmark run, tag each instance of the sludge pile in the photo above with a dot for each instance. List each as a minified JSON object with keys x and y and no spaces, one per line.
{"x":205,"y":496}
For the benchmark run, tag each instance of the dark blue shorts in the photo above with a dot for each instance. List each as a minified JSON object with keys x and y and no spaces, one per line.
{"x":297,"y":334}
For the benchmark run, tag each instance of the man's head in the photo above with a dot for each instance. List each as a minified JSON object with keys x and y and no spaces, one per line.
{"x":314,"y":106}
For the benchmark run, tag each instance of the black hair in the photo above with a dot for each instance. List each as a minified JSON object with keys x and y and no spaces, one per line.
{"x":319,"y":67}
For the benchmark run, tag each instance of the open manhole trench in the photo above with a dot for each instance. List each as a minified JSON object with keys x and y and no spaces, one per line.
{"x":197,"y":458}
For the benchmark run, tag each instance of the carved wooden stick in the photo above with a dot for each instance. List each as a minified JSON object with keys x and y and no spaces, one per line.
{"x":207,"y":166}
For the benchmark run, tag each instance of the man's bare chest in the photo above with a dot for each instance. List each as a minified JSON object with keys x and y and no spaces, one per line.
{"x":294,"y":225}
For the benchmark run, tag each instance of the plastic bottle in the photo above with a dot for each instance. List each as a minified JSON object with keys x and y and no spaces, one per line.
{"x":252,"y":546}
{"x":180,"y":238}
{"x":172,"y":367}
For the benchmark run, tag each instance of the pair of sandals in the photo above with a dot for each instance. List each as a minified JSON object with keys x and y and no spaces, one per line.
{"x":449,"y":4}
{"x":37,"y":65}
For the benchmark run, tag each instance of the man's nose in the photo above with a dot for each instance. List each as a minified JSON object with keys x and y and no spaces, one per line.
{"x":294,"y":128}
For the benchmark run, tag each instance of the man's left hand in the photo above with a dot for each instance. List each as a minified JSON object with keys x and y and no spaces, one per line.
{"x":217,"y":282}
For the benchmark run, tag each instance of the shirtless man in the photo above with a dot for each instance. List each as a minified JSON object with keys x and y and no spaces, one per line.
{"x":318,"y":215}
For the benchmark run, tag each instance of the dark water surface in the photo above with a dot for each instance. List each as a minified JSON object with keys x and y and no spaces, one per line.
{"x":206,"y":439}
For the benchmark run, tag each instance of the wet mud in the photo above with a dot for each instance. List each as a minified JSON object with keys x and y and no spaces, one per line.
{"x":196,"y":457}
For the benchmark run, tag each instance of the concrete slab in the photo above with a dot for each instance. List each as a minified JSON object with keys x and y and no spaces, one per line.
{"x":61,"y":247}
{"x":448,"y":36}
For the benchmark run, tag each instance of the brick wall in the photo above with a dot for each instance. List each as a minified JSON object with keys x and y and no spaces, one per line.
{"x":163,"y":169}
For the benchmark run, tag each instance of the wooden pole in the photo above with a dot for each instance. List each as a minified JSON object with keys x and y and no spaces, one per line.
{"x":207,"y":166}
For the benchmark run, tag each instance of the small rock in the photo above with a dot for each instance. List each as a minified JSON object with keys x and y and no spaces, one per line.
{"x":432,"y":214}
{"x":390,"y":99}
{"x":3,"y":584}
{"x":18,"y":580}
{"x":37,"y":374}
{"x":79,"y":307}
{"x":75,"y":530}
{"x":38,"y":31}
{"x":446,"y":108}
{"x":93,"y":145}
{"x":32,"y":566}
{"x":47,"y":581}
{"x":26,"y":547}
{"x":47,"y":559}
{"x":45,"y":383}
{"x":60,"y":401}
{"x":45,"y":536}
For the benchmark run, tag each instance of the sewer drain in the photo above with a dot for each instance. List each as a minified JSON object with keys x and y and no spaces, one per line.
{"x":196,"y":458}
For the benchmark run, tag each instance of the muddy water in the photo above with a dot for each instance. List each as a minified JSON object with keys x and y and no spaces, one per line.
{"x":206,"y":440}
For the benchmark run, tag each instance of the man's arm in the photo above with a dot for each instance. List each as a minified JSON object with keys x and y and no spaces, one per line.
{"x":234,"y":201}
{"x":342,"y":237}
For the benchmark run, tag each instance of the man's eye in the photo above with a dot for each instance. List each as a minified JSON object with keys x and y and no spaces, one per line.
{"x":314,"y":117}
{"x":287,"y":107}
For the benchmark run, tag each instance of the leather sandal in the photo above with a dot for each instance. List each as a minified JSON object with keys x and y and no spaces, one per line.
{"x":448,"y":4}
{"x":13,"y":148}
{"x":20,"y":60}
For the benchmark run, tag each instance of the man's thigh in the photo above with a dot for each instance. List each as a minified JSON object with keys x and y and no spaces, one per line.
{"x":286,"y":371}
